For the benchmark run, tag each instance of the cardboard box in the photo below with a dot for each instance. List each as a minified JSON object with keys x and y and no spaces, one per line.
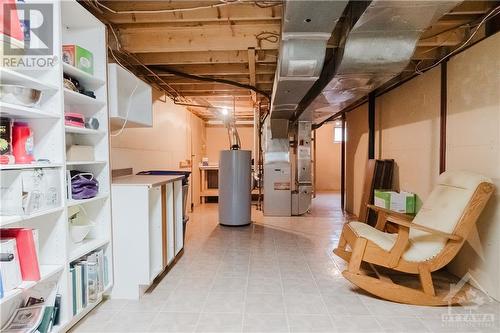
{"x":79,"y":57}
{"x":80,"y":153}
{"x":403,"y":202}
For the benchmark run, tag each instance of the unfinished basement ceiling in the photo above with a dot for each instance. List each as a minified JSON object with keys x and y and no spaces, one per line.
{"x":237,"y":41}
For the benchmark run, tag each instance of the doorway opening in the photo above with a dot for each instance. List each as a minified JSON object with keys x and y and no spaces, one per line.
{"x":327,"y":170}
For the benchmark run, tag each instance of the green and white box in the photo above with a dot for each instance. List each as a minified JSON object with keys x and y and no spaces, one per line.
{"x":402,"y":202}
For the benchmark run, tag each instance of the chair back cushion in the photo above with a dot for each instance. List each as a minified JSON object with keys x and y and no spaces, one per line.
{"x":442,"y":211}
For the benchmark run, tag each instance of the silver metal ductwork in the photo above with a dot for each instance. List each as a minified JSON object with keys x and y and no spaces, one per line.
{"x":307,"y":26}
{"x":377,"y":40}
{"x":377,"y":48}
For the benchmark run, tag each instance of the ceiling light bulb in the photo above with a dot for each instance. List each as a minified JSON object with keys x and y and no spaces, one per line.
{"x":225,"y":111}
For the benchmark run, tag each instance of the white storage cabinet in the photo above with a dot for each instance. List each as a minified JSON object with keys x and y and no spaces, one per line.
{"x":130,"y":99}
{"x":147,"y":230}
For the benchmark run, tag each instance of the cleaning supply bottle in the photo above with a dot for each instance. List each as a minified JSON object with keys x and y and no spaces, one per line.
{"x":22,"y":139}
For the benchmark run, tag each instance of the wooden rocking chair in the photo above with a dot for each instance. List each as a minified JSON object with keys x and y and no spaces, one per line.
{"x":421,"y":246}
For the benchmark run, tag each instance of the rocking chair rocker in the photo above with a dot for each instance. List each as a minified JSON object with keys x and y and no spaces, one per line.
{"x":422,"y":245}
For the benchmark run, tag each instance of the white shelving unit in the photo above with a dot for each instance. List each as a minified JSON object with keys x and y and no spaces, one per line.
{"x":72,"y":25}
{"x":129,"y":99}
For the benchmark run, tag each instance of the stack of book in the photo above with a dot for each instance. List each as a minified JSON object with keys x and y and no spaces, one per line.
{"x":36,"y":316}
{"x":89,"y":279}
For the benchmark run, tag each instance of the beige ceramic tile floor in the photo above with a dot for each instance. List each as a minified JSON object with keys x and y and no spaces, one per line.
{"x":277,"y":275}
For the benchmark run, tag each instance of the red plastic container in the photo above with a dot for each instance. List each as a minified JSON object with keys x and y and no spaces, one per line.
{"x":22,"y":143}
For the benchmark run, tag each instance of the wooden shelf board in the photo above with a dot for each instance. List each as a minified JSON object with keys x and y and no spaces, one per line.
{"x":9,"y":76}
{"x":81,"y":130}
{"x":69,"y":163}
{"x":19,"y":111}
{"x":87,"y":246}
{"x":46,"y":272}
{"x":29,"y":166}
{"x":74,"y":98}
{"x":6,"y":220}
{"x":87,"y":80}
{"x":72,"y":202}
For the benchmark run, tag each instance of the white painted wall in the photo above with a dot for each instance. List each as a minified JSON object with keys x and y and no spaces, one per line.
{"x":217,"y":140}
{"x":473,"y":143}
{"x":407,"y":122}
{"x":175,"y":131}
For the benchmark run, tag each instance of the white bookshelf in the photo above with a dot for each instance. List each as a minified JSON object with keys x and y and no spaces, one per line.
{"x":72,"y":25}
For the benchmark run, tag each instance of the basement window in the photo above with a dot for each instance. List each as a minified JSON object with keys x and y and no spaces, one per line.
{"x":337,"y":132}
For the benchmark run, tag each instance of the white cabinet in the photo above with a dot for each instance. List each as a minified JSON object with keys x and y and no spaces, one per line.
{"x":147,"y":230}
{"x":130,"y":99}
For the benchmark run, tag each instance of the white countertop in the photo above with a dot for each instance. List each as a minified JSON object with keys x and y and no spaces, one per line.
{"x":144,"y":180}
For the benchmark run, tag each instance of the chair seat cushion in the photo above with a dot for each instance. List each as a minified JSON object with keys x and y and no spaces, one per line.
{"x":422,"y":247}
{"x":383,"y":239}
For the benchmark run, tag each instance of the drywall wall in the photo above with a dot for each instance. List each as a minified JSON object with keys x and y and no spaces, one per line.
{"x":217,"y":140}
{"x":407,"y":122}
{"x":473,"y":143}
{"x":327,"y":159}
{"x":356,"y":156}
{"x":175,"y":131}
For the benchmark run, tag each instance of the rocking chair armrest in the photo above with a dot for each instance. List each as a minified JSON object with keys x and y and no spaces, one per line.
{"x":389,"y":212}
{"x":410,"y":225}
{"x":399,"y":246}
{"x":382,"y":215}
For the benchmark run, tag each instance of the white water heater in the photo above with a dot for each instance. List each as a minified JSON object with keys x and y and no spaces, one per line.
{"x":235,"y":187}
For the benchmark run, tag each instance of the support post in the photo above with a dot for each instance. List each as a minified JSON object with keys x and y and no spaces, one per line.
{"x":443,"y":116}
{"x":371,"y":126}
{"x":342,"y":164}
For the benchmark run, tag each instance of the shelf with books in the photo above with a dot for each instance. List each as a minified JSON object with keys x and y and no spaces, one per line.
{"x":75,"y":319}
{"x":89,"y":275}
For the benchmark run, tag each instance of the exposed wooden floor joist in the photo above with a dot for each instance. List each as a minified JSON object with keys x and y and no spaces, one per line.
{"x":215,"y":43}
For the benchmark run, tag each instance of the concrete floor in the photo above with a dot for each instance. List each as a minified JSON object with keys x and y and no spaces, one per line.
{"x":277,"y":275}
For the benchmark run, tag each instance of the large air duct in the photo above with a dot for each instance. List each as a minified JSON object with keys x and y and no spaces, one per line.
{"x":307,"y":27}
{"x":377,"y":48}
